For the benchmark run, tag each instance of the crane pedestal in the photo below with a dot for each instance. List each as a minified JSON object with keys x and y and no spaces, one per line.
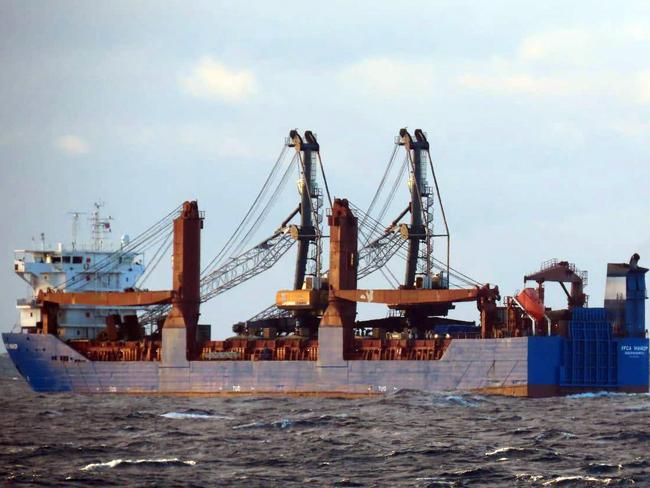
{"x":174,"y":340}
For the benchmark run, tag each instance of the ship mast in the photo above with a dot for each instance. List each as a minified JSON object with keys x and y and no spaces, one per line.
{"x":100,"y":226}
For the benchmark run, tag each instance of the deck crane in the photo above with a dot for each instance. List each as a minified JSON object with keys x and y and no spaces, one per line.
{"x":224,"y":273}
{"x":418,"y":234}
{"x":380,"y":244}
{"x":412,"y":240}
{"x":308,"y":269}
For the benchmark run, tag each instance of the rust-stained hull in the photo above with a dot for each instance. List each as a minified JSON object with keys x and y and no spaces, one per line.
{"x":501,"y":366}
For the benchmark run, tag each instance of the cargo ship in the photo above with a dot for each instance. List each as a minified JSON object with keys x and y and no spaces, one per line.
{"x":311,"y":341}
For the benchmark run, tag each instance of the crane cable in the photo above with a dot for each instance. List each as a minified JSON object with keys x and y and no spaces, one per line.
{"x":157,"y":257}
{"x":322,"y":172}
{"x":389,"y":166}
{"x":227,"y":246}
{"x":381,"y":269}
{"x":132,"y":247}
{"x":393,"y":190}
{"x":143,"y":246}
{"x":264,"y":213}
{"x":438,"y":264}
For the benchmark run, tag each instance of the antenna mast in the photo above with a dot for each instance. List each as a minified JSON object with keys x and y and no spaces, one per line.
{"x":100,"y":226}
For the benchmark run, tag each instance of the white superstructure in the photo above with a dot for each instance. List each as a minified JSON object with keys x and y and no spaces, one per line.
{"x":77,"y":268}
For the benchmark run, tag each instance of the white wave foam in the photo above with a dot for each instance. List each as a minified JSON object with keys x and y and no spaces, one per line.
{"x":598,"y":394}
{"x":529,"y":476}
{"x":287,"y":423}
{"x":437,"y":481}
{"x":605,"y":394}
{"x":459,"y":400}
{"x":117,"y":462}
{"x":278,"y":424}
{"x":283,"y":424}
{"x":562,"y":479}
{"x":503,"y":450}
{"x":251,"y":425}
{"x":190,"y":415}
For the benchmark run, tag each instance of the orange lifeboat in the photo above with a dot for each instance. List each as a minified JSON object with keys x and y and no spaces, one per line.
{"x":530,"y":301}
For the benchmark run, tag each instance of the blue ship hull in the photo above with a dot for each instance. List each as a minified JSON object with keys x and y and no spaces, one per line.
{"x":523,"y":366}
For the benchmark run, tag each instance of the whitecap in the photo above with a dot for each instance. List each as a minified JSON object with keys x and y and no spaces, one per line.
{"x":563,"y":479}
{"x":191,"y":415}
{"x":503,"y":450}
{"x":117,"y":462}
{"x":597,"y":394}
{"x":283,"y":423}
{"x":438,"y":481}
{"x":250,"y":425}
{"x":459,"y":400}
{"x":278,"y":424}
{"x":529,"y":476}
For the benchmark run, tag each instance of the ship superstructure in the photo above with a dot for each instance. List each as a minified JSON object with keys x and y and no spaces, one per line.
{"x":311,"y":340}
{"x":77,"y":267}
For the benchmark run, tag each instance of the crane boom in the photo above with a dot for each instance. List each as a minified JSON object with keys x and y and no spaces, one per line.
{"x":235,"y":271}
{"x":245,"y":266}
{"x":377,"y":253}
{"x":107,"y":298}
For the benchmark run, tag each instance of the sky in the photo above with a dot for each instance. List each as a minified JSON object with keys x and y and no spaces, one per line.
{"x":538,"y":116}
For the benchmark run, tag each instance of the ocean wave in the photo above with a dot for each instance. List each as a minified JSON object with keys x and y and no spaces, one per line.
{"x":463,"y":401}
{"x":194,"y":414}
{"x":277,"y":424}
{"x":529,"y":477}
{"x":596,"y":394}
{"x":604,"y":394}
{"x":635,"y":408}
{"x":509,"y":450}
{"x":287,"y":423}
{"x":436,"y":481}
{"x":603,"y":468}
{"x":480,"y":472}
{"x":554,"y":434}
{"x":425,"y":451}
{"x":572,"y":480}
{"x":500,"y":450}
{"x":114,"y":463}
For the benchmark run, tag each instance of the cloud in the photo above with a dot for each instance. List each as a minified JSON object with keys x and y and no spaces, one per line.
{"x":72,"y":145}
{"x":581,"y":61}
{"x":522,"y":84}
{"x":572,"y":44}
{"x":631,"y":128}
{"x":602,"y":61}
{"x":582,"y":44}
{"x":386,"y":77}
{"x":643,"y":87}
{"x":213,"y":80}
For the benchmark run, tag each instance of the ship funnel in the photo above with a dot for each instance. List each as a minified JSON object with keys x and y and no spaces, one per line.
{"x":625,"y":296}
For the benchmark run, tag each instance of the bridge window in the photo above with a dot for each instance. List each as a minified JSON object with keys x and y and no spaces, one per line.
{"x":77,"y":259}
